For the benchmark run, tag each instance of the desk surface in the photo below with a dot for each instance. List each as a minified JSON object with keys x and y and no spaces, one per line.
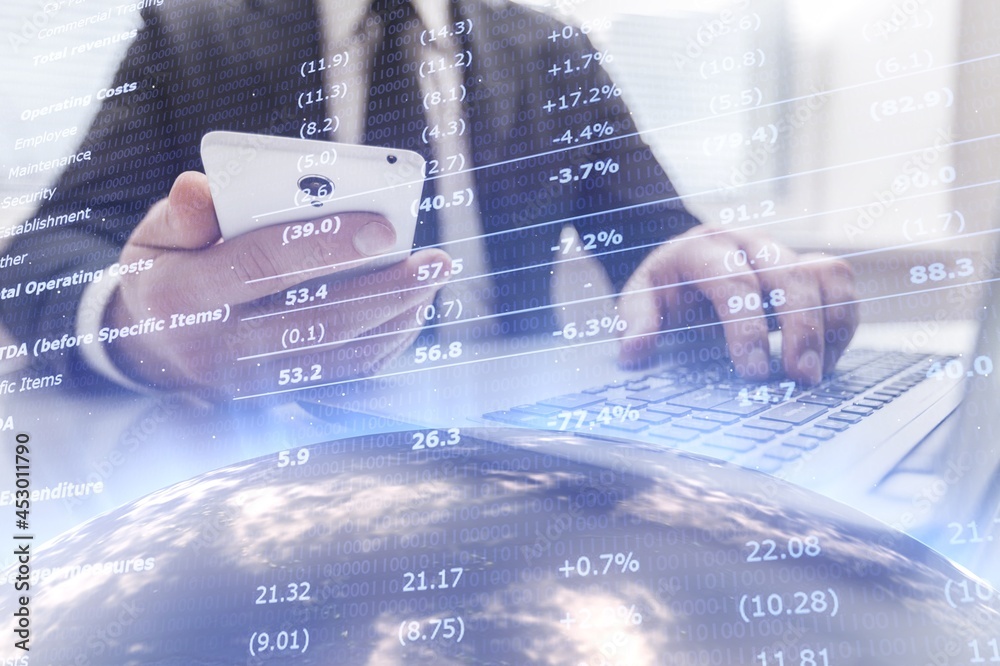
{"x":114,"y":449}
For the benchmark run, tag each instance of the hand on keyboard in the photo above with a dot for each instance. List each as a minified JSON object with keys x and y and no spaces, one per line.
{"x":743,"y":278}
{"x":702,"y":409}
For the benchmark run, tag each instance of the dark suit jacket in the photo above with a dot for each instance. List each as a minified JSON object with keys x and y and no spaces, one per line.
{"x":238,"y":65}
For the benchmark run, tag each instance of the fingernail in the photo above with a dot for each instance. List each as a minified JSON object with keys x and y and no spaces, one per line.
{"x":758,"y":363}
{"x":374,"y":238}
{"x":810,"y":366}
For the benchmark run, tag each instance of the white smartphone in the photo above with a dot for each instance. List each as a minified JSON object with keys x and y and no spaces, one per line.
{"x":259,"y":181}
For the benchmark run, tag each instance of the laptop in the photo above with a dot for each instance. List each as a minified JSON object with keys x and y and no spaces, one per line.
{"x":879,"y":434}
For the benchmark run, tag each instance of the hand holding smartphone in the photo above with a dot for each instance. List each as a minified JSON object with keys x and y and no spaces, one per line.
{"x":260,"y":181}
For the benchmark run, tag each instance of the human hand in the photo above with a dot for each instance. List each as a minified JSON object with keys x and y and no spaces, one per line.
{"x":811,"y":295}
{"x":367,"y":318}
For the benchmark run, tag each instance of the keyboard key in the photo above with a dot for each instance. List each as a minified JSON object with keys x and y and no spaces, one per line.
{"x":653,"y":418}
{"x":625,"y":426}
{"x":753,"y":434}
{"x":831,"y":392}
{"x":876,"y":397}
{"x":870,"y":404}
{"x":673,"y":433}
{"x":800,"y":442}
{"x":844,"y":392}
{"x":520,"y":418}
{"x":659,"y":394}
{"x":888,"y":393}
{"x":825,"y":400}
{"x":625,"y":403}
{"x":715,"y":417}
{"x":869,"y":376}
{"x":539,"y":410}
{"x":740,"y":408}
{"x":857,"y":386}
{"x":795,"y":413}
{"x":763,"y":464}
{"x":669,"y":410}
{"x":705,"y":398}
{"x":571,"y":401}
{"x":857,"y":380}
{"x":696,"y":424}
{"x":858,"y":410}
{"x":773,"y":426}
{"x":817,"y":432}
{"x":731,"y":444}
{"x":784,"y":453}
{"x":846,"y":418}
{"x":829,"y":424}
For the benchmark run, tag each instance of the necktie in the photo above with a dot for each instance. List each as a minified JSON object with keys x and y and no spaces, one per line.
{"x":394,"y":114}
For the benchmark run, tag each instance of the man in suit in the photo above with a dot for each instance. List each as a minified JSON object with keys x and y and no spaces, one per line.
{"x":145,"y":211}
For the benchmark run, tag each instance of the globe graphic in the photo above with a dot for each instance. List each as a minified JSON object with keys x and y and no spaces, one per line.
{"x":495,"y":546}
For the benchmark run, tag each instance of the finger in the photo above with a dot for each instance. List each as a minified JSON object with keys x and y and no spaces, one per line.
{"x":259,"y":264}
{"x":793,"y":292}
{"x":355,"y":358}
{"x":348,"y":308}
{"x":398,"y":341}
{"x":745,"y":331}
{"x":640,"y":305}
{"x":801,"y":321}
{"x":840,"y":312}
{"x":694,"y":261}
{"x":184,"y":220}
{"x":252,"y":334}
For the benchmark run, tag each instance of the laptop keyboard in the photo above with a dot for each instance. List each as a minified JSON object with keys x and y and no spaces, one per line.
{"x":708,"y":410}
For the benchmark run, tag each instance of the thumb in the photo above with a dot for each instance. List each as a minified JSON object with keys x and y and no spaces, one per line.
{"x":184,"y":220}
{"x":639,"y":307}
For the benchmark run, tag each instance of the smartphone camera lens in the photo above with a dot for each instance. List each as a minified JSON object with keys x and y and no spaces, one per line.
{"x":315,"y":189}
{"x":391,"y":159}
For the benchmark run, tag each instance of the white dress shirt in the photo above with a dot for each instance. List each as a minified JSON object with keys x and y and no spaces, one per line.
{"x":459,"y":228}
